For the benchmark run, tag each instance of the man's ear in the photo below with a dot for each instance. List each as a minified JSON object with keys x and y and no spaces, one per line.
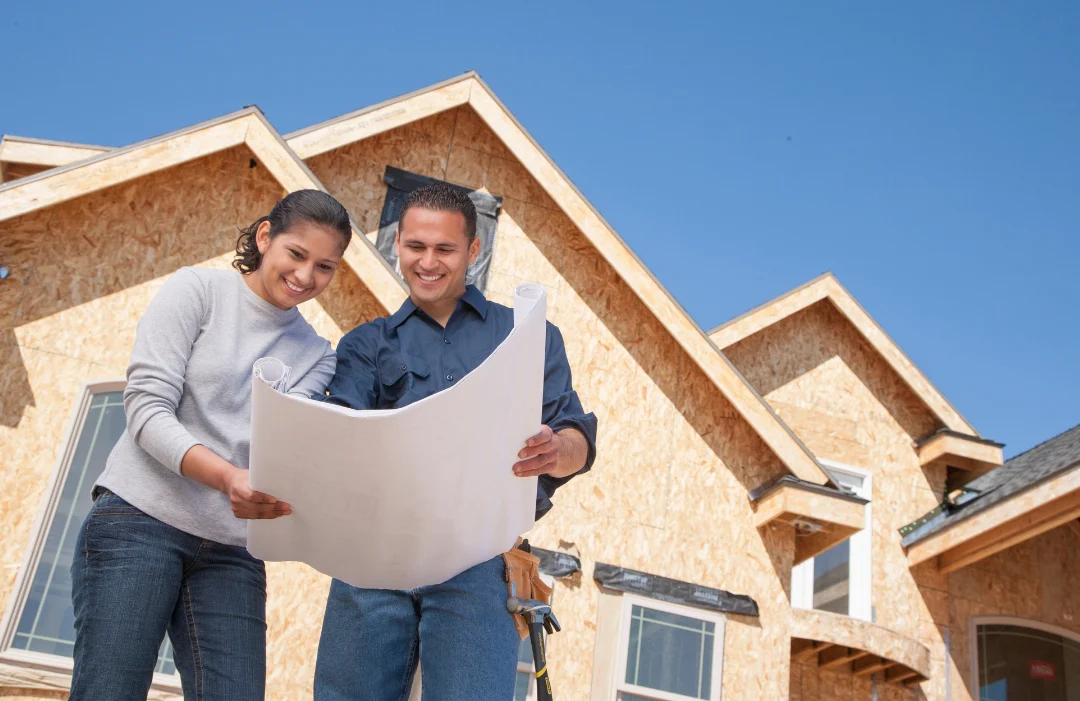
{"x":474,"y":249}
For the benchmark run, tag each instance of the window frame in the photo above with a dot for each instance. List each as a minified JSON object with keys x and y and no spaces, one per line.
{"x":973,"y":636}
{"x":28,"y":665}
{"x":860,"y":560}
{"x":619,"y":684}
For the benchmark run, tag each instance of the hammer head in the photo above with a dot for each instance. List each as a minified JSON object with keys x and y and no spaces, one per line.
{"x":527,"y":606}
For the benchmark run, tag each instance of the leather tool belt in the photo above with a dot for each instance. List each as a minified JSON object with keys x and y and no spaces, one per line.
{"x":523,"y":580}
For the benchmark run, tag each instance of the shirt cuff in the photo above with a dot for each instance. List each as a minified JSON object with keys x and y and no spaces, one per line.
{"x":586,"y":426}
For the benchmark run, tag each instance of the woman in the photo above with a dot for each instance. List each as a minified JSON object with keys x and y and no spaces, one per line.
{"x":163,"y":547}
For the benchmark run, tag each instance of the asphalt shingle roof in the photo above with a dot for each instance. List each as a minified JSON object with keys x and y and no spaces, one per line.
{"x":1057,"y":455}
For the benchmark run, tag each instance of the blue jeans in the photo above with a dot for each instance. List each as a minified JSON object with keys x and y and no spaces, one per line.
{"x":134,"y":577}
{"x":459,"y":631}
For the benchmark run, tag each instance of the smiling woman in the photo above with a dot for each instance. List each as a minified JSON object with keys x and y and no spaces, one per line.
{"x":290,"y":255}
{"x":161,"y":547}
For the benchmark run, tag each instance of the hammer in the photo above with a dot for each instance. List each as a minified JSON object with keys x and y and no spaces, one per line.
{"x":540,"y":618}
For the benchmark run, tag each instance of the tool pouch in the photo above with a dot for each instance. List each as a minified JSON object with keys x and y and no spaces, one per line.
{"x":523,"y":581}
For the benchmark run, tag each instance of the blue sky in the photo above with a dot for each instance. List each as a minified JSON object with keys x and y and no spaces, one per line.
{"x":926,"y":153}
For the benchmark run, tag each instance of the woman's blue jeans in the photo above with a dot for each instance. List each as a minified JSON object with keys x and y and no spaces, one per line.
{"x":134,"y":578}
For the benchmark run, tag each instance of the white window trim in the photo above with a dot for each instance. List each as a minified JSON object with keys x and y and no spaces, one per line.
{"x":38,"y":670}
{"x":619,"y":684}
{"x":973,"y":636}
{"x":860,"y":563}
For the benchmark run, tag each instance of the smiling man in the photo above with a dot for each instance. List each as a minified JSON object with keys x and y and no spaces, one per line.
{"x":459,"y":630}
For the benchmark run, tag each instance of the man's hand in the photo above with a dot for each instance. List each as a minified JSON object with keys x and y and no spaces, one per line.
{"x":250,"y":504}
{"x":548,"y":453}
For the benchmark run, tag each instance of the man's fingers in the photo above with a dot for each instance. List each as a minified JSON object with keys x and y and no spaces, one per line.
{"x":536,"y":466}
{"x":533,"y":451}
{"x":543,"y":437}
{"x":539,"y":449}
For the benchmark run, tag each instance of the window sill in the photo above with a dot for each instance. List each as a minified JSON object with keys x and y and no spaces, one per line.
{"x":32,"y":671}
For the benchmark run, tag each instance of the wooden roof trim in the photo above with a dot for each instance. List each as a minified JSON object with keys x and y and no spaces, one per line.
{"x":1020,"y":517}
{"x":248,"y":127}
{"x":772,"y":430}
{"x":121,"y":165}
{"x":42,"y":152}
{"x":361,"y":124}
{"x":828,"y":287}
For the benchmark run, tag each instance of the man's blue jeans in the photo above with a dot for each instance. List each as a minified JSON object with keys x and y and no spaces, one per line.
{"x":134,"y":577}
{"x":459,"y":631}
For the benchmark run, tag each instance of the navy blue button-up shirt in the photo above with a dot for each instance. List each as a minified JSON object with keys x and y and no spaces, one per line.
{"x":394,"y":361}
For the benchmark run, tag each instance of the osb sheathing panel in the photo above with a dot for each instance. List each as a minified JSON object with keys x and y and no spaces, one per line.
{"x":668,"y":492}
{"x":848,"y":406}
{"x":1038,"y":580}
{"x":811,"y":683}
{"x":82,"y":274}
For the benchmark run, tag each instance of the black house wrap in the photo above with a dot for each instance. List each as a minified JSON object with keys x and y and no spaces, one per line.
{"x":672,"y":590}
{"x":557,"y":564}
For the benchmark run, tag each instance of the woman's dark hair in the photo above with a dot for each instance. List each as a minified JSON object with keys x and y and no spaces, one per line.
{"x":313,"y":206}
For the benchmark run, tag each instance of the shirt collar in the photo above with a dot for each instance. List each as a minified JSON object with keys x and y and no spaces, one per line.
{"x":476,"y":299}
{"x":472,"y":297}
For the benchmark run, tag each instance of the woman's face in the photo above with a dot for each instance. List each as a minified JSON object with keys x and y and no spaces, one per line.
{"x":297,"y":264}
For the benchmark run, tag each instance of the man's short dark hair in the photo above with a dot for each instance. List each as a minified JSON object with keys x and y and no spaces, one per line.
{"x":443,"y":197}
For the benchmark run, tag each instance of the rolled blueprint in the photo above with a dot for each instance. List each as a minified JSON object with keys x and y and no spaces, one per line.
{"x":402,"y":498}
{"x":273,"y":373}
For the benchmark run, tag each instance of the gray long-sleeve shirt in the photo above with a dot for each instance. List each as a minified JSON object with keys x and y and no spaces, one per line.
{"x":189,"y":383}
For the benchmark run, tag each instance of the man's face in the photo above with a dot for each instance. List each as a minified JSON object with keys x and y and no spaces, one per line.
{"x":434,"y":254}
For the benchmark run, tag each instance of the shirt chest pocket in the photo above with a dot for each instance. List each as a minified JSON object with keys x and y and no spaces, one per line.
{"x":401,"y":380}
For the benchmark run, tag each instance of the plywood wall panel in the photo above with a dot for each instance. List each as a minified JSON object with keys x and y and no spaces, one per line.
{"x":849,"y":407}
{"x":295,"y":602}
{"x":470,"y":132}
{"x":468,"y":168}
{"x":793,"y":347}
{"x":351,"y":176}
{"x":38,"y":390}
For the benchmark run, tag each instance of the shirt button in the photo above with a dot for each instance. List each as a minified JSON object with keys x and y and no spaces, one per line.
{"x":446,"y":341}
{"x":450,"y":377}
{"x":404,"y":367}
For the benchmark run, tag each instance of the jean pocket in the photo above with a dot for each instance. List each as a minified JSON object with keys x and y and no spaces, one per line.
{"x":109,"y":504}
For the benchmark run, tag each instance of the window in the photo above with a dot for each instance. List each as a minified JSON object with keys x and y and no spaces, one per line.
{"x":1018,"y":660}
{"x":667,"y":652}
{"x":399,"y":183}
{"x":838,"y":580}
{"x":40,"y":626}
{"x":525,"y":685}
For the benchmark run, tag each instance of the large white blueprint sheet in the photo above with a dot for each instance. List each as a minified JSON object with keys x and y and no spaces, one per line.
{"x":402,"y":498}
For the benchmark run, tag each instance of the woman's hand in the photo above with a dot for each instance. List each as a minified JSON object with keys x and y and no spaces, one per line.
{"x":203,"y":465}
{"x":248,"y":503}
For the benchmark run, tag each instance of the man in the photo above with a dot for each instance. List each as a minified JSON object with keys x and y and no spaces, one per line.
{"x":459,"y":631}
